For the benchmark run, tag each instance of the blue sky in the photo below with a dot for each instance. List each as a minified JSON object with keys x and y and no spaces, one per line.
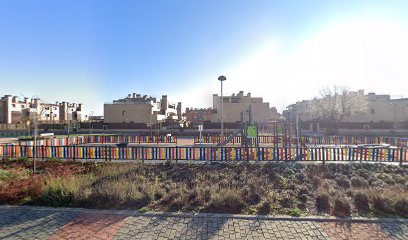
{"x":96,"y":51}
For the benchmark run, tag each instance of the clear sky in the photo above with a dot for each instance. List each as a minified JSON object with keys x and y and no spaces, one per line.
{"x":284,"y":51}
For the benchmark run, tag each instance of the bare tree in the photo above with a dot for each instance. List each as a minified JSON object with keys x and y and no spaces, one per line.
{"x":337,"y":104}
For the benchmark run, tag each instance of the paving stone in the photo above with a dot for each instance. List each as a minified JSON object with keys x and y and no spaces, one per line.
{"x":36,"y":223}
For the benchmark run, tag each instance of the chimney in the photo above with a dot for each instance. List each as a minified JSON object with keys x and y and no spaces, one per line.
{"x":164,"y":102}
{"x":179,"y":113}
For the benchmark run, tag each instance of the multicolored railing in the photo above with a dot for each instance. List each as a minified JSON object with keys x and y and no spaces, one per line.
{"x":77,"y":140}
{"x":208,"y":153}
{"x":129,"y":139}
{"x":56,"y":141}
{"x":394,"y":141}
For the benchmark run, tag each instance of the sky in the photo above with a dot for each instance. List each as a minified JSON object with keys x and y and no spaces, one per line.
{"x":95,"y":51}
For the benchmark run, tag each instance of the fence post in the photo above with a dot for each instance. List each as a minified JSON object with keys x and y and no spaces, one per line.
{"x":106,"y":153}
{"x":110,"y":153}
{"x":73,"y":151}
{"x":361,"y":154}
{"x":177,"y":156}
{"x":42,"y":152}
{"x":401,"y":156}
{"x":323,"y":157}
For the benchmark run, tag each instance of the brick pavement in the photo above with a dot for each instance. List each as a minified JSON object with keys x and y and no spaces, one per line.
{"x":53,"y":223}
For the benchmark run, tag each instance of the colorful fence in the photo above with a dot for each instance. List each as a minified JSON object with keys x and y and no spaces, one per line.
{"x":129,"y":139}
{"x":57,"y":141}
{"x":394,"y":141}
{"x":208,"y":153}
{"x":76,"y":140}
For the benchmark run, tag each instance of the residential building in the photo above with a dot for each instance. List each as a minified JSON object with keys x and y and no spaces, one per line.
{"x":238,"y":104}
{"x":198,"y":115}
{"x":136,"y":108}
{"x":380,"y":108}
{"x":13,"y":110}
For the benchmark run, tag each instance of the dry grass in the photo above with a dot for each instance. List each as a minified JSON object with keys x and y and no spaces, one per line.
{"x":277,"y":188}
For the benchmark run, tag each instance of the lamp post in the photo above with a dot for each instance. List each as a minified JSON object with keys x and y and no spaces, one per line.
{"x":35,"y":140}
{"x":222,"y":79}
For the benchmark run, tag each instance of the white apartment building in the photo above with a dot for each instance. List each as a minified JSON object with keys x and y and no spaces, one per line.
{"x":13,"y":110}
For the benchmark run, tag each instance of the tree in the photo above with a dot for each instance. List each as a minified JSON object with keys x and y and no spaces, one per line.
{"x":338,"y":104}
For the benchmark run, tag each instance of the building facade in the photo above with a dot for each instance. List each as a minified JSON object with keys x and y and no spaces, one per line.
{"x":238,"y":104}
{"x":197,"y":116}
{"x":137,"y":108}
{"x":13,"y":110}
{"x":380,"y":108}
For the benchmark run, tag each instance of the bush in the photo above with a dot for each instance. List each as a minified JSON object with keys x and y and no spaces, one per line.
{"x":401,"y":207}
{"x":358,"y":182}
{"x":361,"y":202}
{"x":56,"y":195}
{"x":294,"y":212}
{"x":383,"y":205}
{"x":264,"y":207}
{"x":303,"y":190}
{"x":227,"y":201}
{"x":341,"y":207}
{"x":323,"y":202}
{"x":343,"y":181}
{"x":303,"y":198}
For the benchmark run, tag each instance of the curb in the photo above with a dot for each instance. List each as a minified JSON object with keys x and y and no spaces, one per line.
{"x":213,"y":215}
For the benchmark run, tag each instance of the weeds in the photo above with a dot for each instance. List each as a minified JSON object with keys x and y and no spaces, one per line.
{"x":292,"y":189}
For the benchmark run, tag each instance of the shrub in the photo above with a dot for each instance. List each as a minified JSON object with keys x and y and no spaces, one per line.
{"x":361,"y":202}
{"x":341,"y":207}
{"x":56,"y":194}
{"x":5,"y":174}
{"x":343,"y":181}
{"x":227,"y":201}
{"x":303,"y":190}
{"x":207,"y":194}
{"x":303,"y":198}
{"x":383,"y":204}
{"x":264,"y":207}
{"x":358,"y":182}
{"x":288,"y":199}
{"x":251,"y":194}
{"x":401,"y":207}
{"x":323,"y":202}
{"x":294,"y":212}
{"x":144,"y":209}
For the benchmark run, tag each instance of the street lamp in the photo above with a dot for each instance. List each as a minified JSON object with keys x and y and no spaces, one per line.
{"x":222,"y":79}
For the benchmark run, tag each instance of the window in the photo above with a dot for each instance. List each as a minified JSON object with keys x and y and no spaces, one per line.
{"x":372,"y":111}
{"x":14,"y":105}
{"x":22,"y":106}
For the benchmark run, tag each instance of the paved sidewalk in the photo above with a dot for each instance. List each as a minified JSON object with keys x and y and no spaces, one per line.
{"x":54,"y":223}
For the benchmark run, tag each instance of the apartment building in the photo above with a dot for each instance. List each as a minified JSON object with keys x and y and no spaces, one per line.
{"x":137,"y":108}
{"x":380,"y":108}
{"x":198,"y":115}
{"x":14,"y":110}
{"x":239,"y":103}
